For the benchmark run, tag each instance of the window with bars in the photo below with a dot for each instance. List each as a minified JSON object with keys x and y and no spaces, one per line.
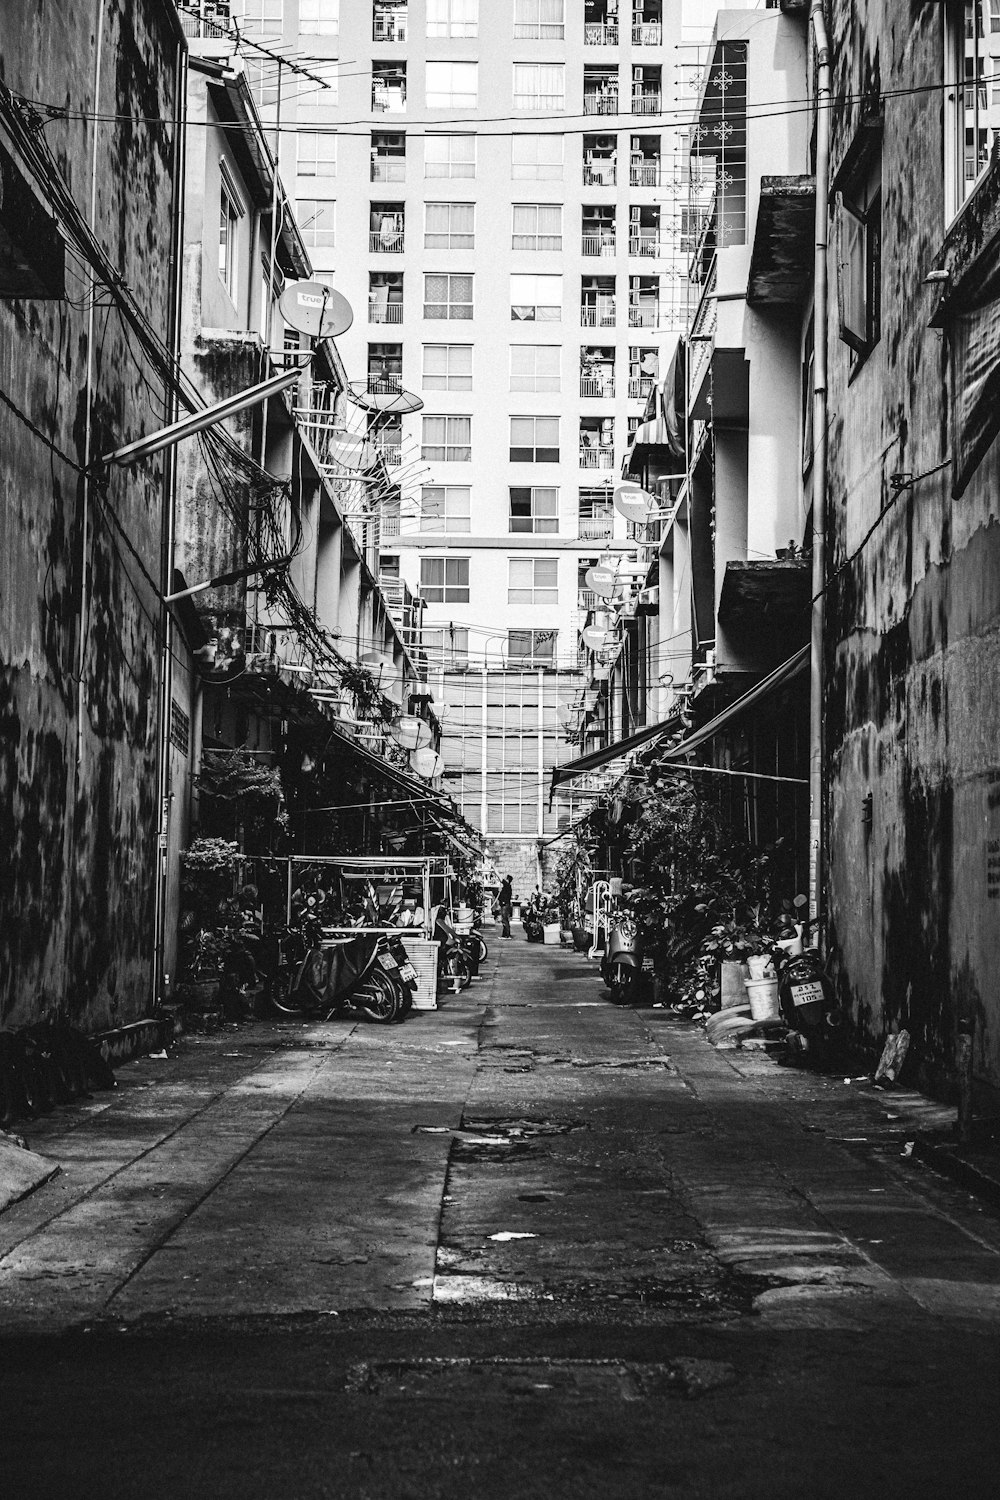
{"x":534,"y":508}
{"x":444,"y":580}
{"x":535,"y":299}
{"x":532,"y":580}
{"x":316,"y":154}
{"x":534,"y":440}
{"x":539,"y":86}
{"x":319,"y":17}
{"x":540,"y":20}
{"x":449,"y":226}
{"x":446,"y":507}
{"x":535,"y":367}
{"x":452,"y":18}
{"x":448,"y":296}
{"x":536,"y":226}
{"x":537,"y":158}
{"x":446,"y":440}
{"x":452,"y":85}
{"x":450,"y":156}
{"x":447,"y":367}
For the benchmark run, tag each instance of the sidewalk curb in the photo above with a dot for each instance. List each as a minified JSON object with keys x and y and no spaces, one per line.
{"x":945,"y":1157}
{"x":21,"y":1172}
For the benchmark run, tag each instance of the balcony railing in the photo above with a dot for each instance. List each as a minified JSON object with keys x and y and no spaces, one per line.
{"x":600,"y":34}
{"x":597,"y":457}
{"x":595,"y":528}
{"x":600,"y":102}
{"x":386,"y":242}
{"x":640,"y":386}
{"x":643,"y":314}
{"x":601,"y":316}
{"x":646,"y":103}
{"x":388,"y":100}
{"x":597,"y":385}
{"x":388,"y":169}
{"x":212,"y":20}
{"x":383,"y":385}
{"x":649,"y":245}
{"x":587,"y":600}
{"x":384,"y":312}
{"x":602,"y":173}
{"x":598,"y":244}
{"x":647,"y":33}
{"x":389,"y":29}
{"x":646,"y":173}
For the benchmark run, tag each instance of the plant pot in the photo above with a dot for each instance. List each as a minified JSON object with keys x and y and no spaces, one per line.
{"x":761,"y":966}
{"x":199,"y":994}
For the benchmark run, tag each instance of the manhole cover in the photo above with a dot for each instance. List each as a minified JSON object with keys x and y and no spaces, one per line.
{"x":568,"y":1379}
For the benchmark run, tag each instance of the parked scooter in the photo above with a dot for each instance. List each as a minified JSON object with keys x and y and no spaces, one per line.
{"x":624,"y":968}
{"x":326,"y":976}
{"x":808,"y":1004}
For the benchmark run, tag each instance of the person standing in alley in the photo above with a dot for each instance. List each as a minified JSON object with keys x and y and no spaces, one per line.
{"x":505,"y":901}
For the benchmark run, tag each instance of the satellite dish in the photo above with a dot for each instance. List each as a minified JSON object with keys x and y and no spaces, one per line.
{"x":595,"y":637}
{"x":603,"y":581}
{"x":380,"y":666}
{"x":382,"y":393}
{"x":633,"y":502}
{"x":411,"y":734}
{"x":314,"y":308}
{"x":394,"y":692}
{"x":426,"y":763}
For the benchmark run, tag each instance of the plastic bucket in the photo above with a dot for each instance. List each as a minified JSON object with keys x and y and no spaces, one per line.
{"x":761,"y":966}
{"x":763,"y":997}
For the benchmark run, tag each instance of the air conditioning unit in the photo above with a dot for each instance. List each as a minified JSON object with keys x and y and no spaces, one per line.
{"x":649,"y":600}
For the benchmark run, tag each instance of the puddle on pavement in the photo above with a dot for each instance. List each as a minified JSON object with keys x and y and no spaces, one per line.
{"x":541,"y":1379}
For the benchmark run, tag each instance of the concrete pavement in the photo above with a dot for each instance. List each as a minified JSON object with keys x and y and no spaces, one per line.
{"x":529,"y":1199}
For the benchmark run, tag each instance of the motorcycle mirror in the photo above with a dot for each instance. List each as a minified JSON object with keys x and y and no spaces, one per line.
{"x":800,"y":902}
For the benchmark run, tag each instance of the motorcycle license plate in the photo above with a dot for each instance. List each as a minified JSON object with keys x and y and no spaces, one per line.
{"x":408,"y":972}
{"x":807,"y":994}
{"x":387,"y":961}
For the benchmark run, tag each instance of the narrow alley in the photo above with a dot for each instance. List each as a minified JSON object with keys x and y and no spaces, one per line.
{"x":527,"y":1244}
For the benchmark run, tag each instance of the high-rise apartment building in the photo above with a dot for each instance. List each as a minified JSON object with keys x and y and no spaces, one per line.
{"x":494,"y":186}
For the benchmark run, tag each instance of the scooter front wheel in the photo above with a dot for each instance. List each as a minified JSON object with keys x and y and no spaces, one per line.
{"x":621,"y":983}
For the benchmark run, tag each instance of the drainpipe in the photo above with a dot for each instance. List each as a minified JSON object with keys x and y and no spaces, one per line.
{"x":820,"y":326}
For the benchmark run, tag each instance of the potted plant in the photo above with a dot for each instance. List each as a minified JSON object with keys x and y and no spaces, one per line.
{"x":208,"y":872}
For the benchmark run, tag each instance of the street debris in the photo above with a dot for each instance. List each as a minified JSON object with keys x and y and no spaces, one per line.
{"x":512,"y":1234}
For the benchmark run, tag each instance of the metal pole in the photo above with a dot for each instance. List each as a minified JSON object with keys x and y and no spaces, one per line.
{"x":820,"y":320}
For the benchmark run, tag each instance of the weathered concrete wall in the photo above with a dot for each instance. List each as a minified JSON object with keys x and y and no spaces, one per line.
{"x":913,"y":656}
{"x":79,"y":662}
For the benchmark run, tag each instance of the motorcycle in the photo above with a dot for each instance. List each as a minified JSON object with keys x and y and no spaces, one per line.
{"x":322,"y":976}
{"x":454,"y":966}
{"x":625,"y":969}
{"x":808,"y":1004}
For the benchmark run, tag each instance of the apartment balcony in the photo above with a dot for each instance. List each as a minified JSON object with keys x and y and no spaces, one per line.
{"x":600,"y":102}
{"x":647,"y":102}
{"x":600,"y":34}
{"x":597,"y":457}
{"x":601,"y":386}
{"x":388,"y":100}
{"x":388,"y":169}
{"x":389,"y":29}
{"x":643,"y":314}
{"x":598,"y":244}
{"x":640,"y":386}
{"x":650,"y":246}
{"x":390,"y":453}
{"x":601,"y":316}
{"x":595,"y":528}
{"x":647,"y":172}
{"x":647,"y":34}
{"x":386,"y":242}
{"x":601,"y":173}
{"x":384,"y":312}
{"x":211,"y":22}
{"x":587,"y":600}
{"x":379,"y":384}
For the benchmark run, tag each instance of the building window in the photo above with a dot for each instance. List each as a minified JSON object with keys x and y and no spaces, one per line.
{"x":316,"y":218}
{"x":534,"y":440}
{"x":230,"y":213}
{"x":537,"y":158}
{"x":388,"y":565}
{"x":532,"y":647}
{"x":539,"y":86}
{"x":536,"y":299}
{"x":533,"y":580}
{"x":444,"y":580}
{"x":537,"y":226}
{"x":259,"y":17}
{"x":449,"y":226}
{"x":447,"y":440}
{"x":317,"y":154}
{"x":445,"y":507}
{"x":534,"y":508}
{"x":389,"y":21}
{"x":456,"y":18}
{"x":447,"y":296}
{"x":447,"y":367}
{"x":450,"y":156}
{"x":447,"y":646}
{"x":388,"y":88}
{"x":596,"y":522}
{"x":995,"y":16}
{"x":807,"y":393}
{"x":535,"y":367}
{"x":540,"y":20}
{"x":319,"y":17}
{"x":452,"y":85}
{"x":859,"y":258}
{"x":970,"y":122}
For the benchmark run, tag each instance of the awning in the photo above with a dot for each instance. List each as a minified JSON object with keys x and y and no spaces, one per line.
{"x":785,"y":673}
{"x":421,"y":791}
{"x":615,"y":751}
